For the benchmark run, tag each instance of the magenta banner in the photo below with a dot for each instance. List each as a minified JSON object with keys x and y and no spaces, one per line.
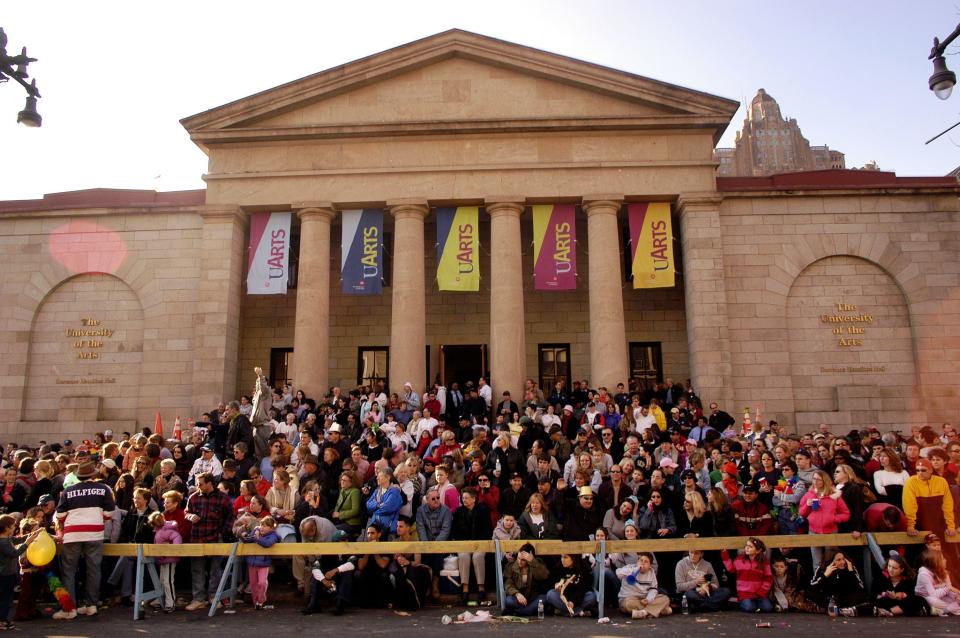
{"x":554,"y":247}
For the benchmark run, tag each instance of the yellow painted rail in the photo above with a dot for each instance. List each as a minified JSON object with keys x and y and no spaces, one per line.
{"x":545,"y":547}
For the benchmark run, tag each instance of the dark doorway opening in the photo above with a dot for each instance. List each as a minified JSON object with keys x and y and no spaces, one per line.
{"x":462,"y":363}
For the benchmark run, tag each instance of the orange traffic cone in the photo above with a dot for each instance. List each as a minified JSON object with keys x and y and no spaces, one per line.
{"x":177,"y":432}
{"x":158,"y":426}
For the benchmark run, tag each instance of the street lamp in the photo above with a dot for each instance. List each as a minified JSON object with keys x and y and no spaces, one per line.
{"x":943,"y":79}
{"x":15,"y":66}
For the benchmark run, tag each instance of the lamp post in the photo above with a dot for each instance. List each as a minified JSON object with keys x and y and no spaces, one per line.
{"x":15,"y":66}
{"x":943,"y":79}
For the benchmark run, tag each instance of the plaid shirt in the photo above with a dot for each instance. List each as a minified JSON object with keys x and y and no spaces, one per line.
{"x":216,"y":516}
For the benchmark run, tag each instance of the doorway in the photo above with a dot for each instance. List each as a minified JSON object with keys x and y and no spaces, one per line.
{"x":462,"y":363}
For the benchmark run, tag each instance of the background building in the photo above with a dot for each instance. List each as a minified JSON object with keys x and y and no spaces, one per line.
{"x":769,"y":144}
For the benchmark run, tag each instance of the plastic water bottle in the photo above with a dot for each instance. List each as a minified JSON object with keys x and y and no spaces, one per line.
{"x":832,"y":610}
{"x":685,"y":606}
{"x":540,"y":610}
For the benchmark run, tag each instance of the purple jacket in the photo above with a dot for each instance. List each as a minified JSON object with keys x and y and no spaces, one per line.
{"x":167,"y":535}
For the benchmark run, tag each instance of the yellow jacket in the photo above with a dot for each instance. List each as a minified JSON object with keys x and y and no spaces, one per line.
{"x":661,"y":418}
{"x":916,"y":490}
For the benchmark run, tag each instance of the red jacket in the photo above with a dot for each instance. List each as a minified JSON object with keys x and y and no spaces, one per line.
{"x":831,"y":512}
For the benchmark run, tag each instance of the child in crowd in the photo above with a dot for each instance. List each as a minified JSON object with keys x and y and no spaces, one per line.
{"x":264,"y":535}
{"x":166,"y":533}
{"x":933,"y":584}
{"x":754,"y":578}
{"x":639,"y":595}
{"x":10,"y":564}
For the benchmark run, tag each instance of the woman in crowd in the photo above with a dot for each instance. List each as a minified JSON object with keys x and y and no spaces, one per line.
{"x":572,"y":593}
{"x":839,"y":583}
{"x":787,"y":494}
{"x":657,"y":519}
{"x":889,"y":480}
{"x":824,"y":509}
{"x":537,"y":521}
{"x":754,"y":578}
{"x":896,"y":590}
{"x":471,"y":522}
{"x":724,"y":518}
{"x":384,"y":503}
{"x":696,"y":520}
{"x":615,"y":517}
{"x":282,"y":497}
{"x":856,"y":495}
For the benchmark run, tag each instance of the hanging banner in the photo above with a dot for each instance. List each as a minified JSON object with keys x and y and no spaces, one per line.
{"x":458,"y":260}
{"x":268,"y":254}
{"x":361,"y":251}
{"x":651,"y":241}
{"x":554,"y":247}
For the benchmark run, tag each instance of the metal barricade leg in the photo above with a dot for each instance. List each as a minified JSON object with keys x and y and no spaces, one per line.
{"x":601,"y":560}
{"x":501,"y":594}
{"x":228,"y":570}
{"x":138,"y":585}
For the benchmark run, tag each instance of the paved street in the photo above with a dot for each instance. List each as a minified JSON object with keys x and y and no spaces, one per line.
{"x":285,"y":620}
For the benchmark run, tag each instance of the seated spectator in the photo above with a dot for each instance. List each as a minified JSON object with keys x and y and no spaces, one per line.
{"x":754,"y":578}
{"x":698,"y":583}
{"x":572,"y":593}
{"x":752,"y":517}
{"x":786,"y":593}
{"x":838,"y":581}
{"x":639,"y":596}
{"x":523,"y":583}
{"x":896,"y":590}
{"x":934,"y":586}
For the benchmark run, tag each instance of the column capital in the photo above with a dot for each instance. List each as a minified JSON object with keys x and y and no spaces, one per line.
{"x":320,"y":211}
{"x":602,"y":204}
{"x":708,"y":199}
{"x":223,"y":214}
{"x":409,"y":207}
{"x":497,"y":206}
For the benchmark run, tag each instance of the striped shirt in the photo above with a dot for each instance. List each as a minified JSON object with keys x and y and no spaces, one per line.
{"x":82,"y":510}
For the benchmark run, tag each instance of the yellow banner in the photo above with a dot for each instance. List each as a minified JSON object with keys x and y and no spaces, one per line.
{"x":651,"y":239}
{"x":458,"y":258}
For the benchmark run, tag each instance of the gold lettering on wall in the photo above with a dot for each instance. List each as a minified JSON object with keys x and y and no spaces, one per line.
{"x":851,"y":328}
{"x":87,"y":348}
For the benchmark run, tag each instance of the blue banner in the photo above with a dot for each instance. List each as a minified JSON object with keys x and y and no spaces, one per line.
{"x":361,"y":251}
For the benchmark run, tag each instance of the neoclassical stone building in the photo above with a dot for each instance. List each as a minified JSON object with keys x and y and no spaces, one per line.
{"x":828,"y":296}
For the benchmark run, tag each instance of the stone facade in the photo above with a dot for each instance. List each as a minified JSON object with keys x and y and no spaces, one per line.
{"x":767,"y":268}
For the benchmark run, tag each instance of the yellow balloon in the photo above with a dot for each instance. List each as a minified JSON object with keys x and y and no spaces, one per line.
{"x":42,"y":550}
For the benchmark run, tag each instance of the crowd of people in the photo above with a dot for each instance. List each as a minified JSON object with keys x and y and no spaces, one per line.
{"x":451,"y":463}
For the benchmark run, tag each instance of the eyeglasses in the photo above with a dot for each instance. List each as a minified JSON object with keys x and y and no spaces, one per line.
{"x":616,"y":472}
{"x":483,"y":480}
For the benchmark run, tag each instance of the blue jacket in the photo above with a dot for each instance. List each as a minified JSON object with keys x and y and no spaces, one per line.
{"x":266,"y":540}
{"x":384,"y":508}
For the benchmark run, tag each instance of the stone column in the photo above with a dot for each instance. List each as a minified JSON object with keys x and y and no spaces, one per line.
{"x":507,"y":328}
{"x":216,"y":322}
{"x":408,"y":337}
{"x":706,"y":297}
{"x":608,"y":333}
{"x":311,"y":337}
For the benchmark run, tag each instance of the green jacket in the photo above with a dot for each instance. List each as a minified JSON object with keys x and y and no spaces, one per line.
{"x":348,"y":504}
{"x":514,"y":581}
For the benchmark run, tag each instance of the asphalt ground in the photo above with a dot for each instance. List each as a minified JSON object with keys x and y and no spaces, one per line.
{"x":285,"y":619}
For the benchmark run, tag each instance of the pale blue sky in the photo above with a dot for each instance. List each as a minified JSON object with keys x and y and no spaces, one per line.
{"x":116,"y":77}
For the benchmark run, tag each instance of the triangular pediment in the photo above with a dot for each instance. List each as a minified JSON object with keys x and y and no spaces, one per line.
{"x":459,"y":78}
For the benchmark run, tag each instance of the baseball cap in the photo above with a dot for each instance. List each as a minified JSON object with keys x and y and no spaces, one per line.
{"x":46,"y":498}
{"x":668,"y":462}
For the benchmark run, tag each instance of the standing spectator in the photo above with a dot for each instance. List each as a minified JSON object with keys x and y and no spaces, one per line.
{"x":471,"y":521}
{"x":83,"y":508}
{"x":824,"y":510}
{"x":10,"y":565}
{"x":166,"y":533}
{"x":211,"y":514}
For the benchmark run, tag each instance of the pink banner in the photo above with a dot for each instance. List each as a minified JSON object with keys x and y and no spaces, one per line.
{"x":554,"y":247}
